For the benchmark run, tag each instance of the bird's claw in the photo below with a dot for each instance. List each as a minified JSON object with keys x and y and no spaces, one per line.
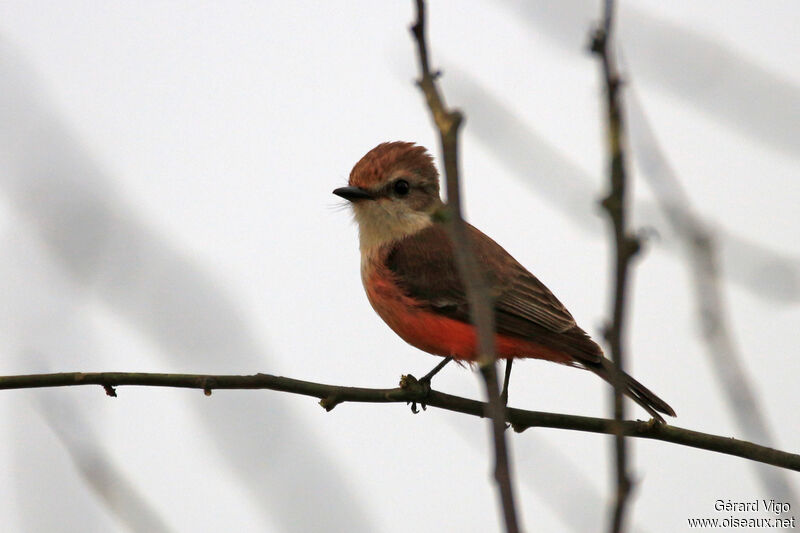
{"x":414,"y":407}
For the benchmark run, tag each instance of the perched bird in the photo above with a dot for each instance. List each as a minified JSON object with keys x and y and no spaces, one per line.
{"x":410,"y":275}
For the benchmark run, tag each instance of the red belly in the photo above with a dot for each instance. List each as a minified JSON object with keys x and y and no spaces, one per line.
{"x":440,"y":335}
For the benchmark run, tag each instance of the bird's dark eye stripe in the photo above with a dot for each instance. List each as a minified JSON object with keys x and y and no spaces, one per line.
{"x":401,"y":187}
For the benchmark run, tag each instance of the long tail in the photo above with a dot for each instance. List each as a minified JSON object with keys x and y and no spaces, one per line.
{"x":636,"y":391}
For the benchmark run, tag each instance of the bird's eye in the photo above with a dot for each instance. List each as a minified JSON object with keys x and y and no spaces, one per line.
{"x":401,"y":187}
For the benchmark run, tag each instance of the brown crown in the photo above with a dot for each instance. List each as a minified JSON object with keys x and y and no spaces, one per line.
{"x":383,"y":160}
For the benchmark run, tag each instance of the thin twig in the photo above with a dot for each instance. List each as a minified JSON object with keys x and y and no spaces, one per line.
{"x":626,"y":247}
{"x":448,"y":122}
{"x":519,"y":148}
{"x":410,"y":390}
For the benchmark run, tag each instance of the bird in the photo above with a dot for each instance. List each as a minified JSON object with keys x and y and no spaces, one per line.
{"x":411,"y":279}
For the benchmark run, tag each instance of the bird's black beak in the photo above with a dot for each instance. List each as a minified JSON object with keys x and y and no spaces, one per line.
{"x":354,"y":194}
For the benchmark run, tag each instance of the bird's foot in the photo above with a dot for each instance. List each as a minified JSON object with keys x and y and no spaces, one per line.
{"x":420,"y":387}
{"x":656,"y":421}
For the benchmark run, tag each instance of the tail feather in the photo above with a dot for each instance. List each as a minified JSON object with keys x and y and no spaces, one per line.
{"x":636,"y":391}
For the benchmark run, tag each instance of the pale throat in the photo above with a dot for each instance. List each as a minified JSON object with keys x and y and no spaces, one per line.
{"x":378,"y":228}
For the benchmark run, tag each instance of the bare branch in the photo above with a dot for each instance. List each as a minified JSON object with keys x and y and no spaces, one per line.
{"x":410,"y":391}
{"x":626,"y":246}
{"x":520,"y":148}
{"x":448,"y":122}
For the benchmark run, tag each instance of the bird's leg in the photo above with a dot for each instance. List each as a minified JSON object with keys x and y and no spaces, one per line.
{"x":427,"y":377}
{"x":425,"y":381}
{"x":504,"y":394}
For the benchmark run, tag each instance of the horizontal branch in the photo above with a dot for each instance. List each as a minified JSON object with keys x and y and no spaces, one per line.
{"x":410,"y":391}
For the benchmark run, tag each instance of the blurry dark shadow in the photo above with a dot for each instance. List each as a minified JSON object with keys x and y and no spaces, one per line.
{"x":702,"y":258}
{"x":39,"y":316}
{"x":107,"y":482}
{"x":702,"y":72}
{"x":528,"y":156}
{"x":111,"y":254}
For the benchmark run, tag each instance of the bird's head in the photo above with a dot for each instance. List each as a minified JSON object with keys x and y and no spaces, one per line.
{"x":394,"y":190}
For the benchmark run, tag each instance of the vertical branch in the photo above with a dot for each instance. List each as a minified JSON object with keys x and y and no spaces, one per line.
{"x":448,"y":122}
{"x":626,"y":246}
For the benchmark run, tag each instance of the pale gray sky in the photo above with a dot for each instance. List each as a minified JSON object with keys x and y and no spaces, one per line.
{"x":165,"y":206}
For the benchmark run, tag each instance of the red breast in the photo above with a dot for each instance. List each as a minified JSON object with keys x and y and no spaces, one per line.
{"x":433,"y":332}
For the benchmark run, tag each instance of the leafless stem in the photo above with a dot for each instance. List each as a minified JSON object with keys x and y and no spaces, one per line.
{"x":626,"y":246}
{"x":448,"y":122}
{"x":410,"y":390}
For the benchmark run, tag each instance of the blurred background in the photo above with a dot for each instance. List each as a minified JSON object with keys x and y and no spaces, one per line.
{"x":165,"y":205}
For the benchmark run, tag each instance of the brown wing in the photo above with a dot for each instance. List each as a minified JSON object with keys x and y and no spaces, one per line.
{"x":524,"y":307}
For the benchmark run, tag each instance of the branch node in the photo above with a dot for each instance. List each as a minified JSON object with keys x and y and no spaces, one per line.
{"x":611,"y":203}
{"x":329,"y":402}
{"x":208,"y":384}
{"x":597,"y":41}
{"x":633,"y":245}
